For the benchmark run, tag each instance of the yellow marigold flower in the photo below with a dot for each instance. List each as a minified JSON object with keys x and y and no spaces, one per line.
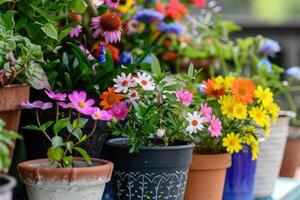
{"x":259,"y":115}
{"x":265,"y":96}
{"x":255,"y":150}
{"x":232,"y":142}
{"x":240,"y":111}
{"x":249,"y":139}
{"x":267,"y":130}
{"x":125,"y":6}
{"x":274,"y":110}
{"x":228,"y":81}
{"x":219,"y":83}
{"x":227,"y":106}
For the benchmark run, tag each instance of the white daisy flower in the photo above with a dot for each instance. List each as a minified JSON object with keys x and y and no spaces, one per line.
{"x":195,"y":122}
{"x":145,"y":81}
{"x":133,"y":95}
{"x":160,"y":133}
{"x":123,"y":83}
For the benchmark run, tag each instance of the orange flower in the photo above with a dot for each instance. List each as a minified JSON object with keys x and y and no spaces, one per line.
{"x":110,"y":98}
{"x":243,"y":90}
{"x":174,"y":10}
{"x":169,"y":55}
{"x":210,"y":91}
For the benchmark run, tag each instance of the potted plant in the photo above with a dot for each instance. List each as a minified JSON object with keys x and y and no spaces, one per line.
{"x":7,"y":183}
{"x":62,"y":173}
{"x":153,"y":155}
{"x":245,"y":107}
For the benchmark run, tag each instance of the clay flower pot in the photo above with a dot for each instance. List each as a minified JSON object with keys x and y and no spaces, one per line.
{"x":158,"y":172}
{"x":7,"y":183}
{"x":207,"y":176}
{"x":78,"y":183}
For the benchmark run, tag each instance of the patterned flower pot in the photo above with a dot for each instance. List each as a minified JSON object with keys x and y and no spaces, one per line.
{"x":207,"y":176}
{"x":270,"y":158}
{"x":152,"y":173}
{"x":7,"y":183}
{"x":78,"y":183}
{"x":239,"y":182}
{"x":291,"y":158}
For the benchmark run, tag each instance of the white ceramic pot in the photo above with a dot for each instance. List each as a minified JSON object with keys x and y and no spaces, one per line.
{"x":7,"y":183}
{"x":79,"y":183}
{"x":270,"y":158}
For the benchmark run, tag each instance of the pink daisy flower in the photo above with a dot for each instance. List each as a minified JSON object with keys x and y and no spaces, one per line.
{"x":102,"y":115}
{"x":80,"y":103}
{"x":65,"y":105}
{"x":215,"y":127}
{"x":108,"y":25}
{"x":75,"y":31}
{"x":119,"y":111}
{"x":184,"y":97}
{"x":56,"y":96}
{"x":160,"y":133}
{"x":124,"y":82}
{"x":112,"y":4}
{"x":36,"y":104}
{"x":206,"y":112}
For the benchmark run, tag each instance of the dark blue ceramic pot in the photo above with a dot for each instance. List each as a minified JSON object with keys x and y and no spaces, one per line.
{"x":239,"y":183}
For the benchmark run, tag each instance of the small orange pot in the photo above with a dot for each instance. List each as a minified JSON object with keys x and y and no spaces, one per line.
{"x":207,"y":176}
{"x":291,"y":159}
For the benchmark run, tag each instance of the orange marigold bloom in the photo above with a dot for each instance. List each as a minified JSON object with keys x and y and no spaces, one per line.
{"x":243,"y":90}
{"x":110,"y":98}
{"x":210,"y":91}
{"x":174,"y":10}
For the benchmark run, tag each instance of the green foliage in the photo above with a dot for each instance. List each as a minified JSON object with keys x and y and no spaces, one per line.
{"x":7,"y":139}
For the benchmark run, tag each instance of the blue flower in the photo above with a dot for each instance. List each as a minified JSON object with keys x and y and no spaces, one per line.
{"x":265,"y":63}
{"x":148,"y":60}
{"x":269,"y":47}
{"x":149,"y":15}
{"x":294,"y":72}
{"x":101,"y":58}
{"x":125,"y":57}
{"x":176,"y":28}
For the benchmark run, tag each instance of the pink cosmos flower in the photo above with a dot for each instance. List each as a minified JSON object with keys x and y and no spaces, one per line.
{"x":75,"y":31}
{"x":36,"y":104}
{"x":65,"y":105}
{"x":206,"y":112}
{"x":112,"y":4}
{"x":109,"y":25}
{"x":160,"y":133}
{"x":102,"y":115}
{"x":56,"y":96}
{"x":215,"y":127}
{"x":119,"y":110}
{"x":184,"y":97}
{"x":80,"y":103}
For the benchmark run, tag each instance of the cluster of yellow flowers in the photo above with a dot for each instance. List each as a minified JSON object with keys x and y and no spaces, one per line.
{"x":241,"y":101}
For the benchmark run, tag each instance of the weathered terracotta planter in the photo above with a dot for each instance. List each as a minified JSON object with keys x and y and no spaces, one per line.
{"x":7,"y":183}
{"x":78,"y":183}
{"x":207,"y":176}
{"x":291,"y":158}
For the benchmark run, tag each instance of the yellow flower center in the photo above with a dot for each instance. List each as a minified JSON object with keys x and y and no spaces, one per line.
{"x":144,"y":82}
{"x":81,"y":104}
{"x":97,"y":115}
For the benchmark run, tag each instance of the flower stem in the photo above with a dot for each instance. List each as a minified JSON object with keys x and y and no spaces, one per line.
{"x":39,"y":123}
{"x":57,"y":112}
{"x":89,"y":135}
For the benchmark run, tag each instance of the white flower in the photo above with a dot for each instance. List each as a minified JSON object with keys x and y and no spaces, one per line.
{"x":145,"y":81}
{"x":123,"y":83}
{"x":195,"y":122}
{"x":133,"y":95}
{"x":160,"y":133}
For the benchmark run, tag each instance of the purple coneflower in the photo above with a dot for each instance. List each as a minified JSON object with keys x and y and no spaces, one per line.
{"x":75,"y":31}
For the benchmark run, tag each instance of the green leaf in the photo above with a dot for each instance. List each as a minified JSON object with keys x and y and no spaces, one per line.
{"x":60,"y":124}
{"x":78,"y":6}
{"x":50,"y":31}
{"x":64,"y":33}
{"x":57,"y":141}
{"x":2,"y":2}
{"x":109,"y":63}
{"x":155,"y":66}
{"x":69,"y":146}
{"x":81,"y":124}
{"x":84,"y":154}
{"x":48,"y":17}
{"x":55,"y":154}
{"x":191,"y":70}
{"x":33,"y":128}
{"x":7,"y":19}
{"x":68,"y":81}
{"x":68,"y":161}
{"x":48,"y":124}
{"x":77,"y":133}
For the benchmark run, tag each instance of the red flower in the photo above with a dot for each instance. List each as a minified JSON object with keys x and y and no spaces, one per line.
{"x":174,"y":10}
{"x":114,"y":51}
{"x":199,"y":3}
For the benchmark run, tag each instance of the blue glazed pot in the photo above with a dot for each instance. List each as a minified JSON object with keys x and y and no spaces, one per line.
{"x":239,"y":183}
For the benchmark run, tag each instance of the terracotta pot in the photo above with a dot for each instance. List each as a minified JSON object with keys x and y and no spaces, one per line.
{"x":207,"y":176}
{"x":7,"y":183}
{"x":78,"y":183}
{"x":10,"y":111}
{"x":291,"y":158}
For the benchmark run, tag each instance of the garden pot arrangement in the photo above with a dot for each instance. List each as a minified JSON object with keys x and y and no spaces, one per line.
{"x":83,"y":181}
{"x":270,"y":158}
{"x":7,"y":183}
{"x":207,"y":176}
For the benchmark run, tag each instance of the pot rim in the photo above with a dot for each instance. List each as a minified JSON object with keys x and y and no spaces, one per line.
{"x":113,"y":143}
{"x":15,"y":85}
{"x":287,"y":113}
{"x":210,"y":161}
{"x":7,"y":186}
